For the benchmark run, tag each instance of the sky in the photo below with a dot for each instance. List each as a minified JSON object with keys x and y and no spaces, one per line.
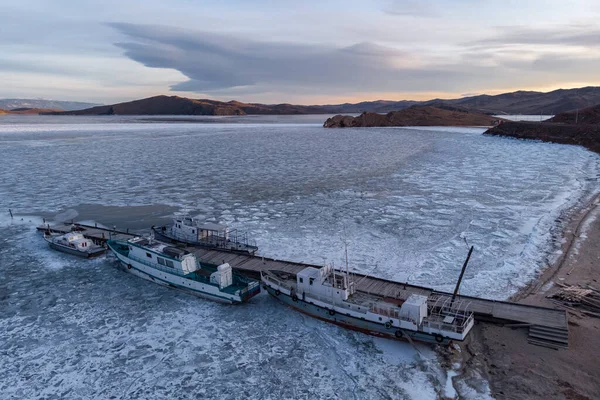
{"x":321,"y":52}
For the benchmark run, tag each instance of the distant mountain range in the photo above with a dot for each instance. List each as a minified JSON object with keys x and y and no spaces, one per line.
{"x":524,"y":102}
{"x":520,"y":102}
{"x":11,"y":104}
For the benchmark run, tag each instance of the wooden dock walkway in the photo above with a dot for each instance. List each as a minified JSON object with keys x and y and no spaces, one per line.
{"x":98,"y":234}
{"x":554,"y":320}
{"x":484,"y":309}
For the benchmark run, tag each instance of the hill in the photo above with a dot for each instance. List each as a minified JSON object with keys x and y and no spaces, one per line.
{"x":10,"y":104}
{"x":163,"y":105}
{"x":528,"y":102}
{"x":589,"y":115}
{"x":519,"y":102}
{"x":378,"y":106}
{"x":414,"y":116}
{"x":280,"y":109}
{"x":175,"y":105}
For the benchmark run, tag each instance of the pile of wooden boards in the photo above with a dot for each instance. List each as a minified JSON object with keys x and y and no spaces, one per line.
{"x":584,"y":299}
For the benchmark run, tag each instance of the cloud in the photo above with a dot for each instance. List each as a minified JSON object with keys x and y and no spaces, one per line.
{"x":231,"y":66}
{"x":412,"y":8}
{"x":571,"y":35}
{"x":471,"y":94}
{"x":217,"y":63}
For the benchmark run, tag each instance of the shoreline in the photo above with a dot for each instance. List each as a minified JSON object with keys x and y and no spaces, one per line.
{"x":571,"y":232}
{"x":515,"y":369}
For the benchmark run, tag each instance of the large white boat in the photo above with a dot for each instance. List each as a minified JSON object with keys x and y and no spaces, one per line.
{"x":171,"y":266}
{"x":330,"y":295}
{"x":74,"y":243}
{"x":188,"y":230}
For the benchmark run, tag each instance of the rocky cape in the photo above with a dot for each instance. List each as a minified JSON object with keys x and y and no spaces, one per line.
{"x":414,"y":116}
{"x":28,"y":111}
{"x":577,"y":127}
{"x":40,"y":104}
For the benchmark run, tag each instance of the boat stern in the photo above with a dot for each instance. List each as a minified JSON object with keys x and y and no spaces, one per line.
{"x":250,"y":291}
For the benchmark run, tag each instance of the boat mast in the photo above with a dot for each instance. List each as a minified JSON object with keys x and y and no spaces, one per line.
{"x":462,"y":272}
{"x":347,"y":273}
{"x":333,"y":274}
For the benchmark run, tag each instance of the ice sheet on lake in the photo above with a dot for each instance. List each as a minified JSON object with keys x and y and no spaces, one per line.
{"x":405,"y":200}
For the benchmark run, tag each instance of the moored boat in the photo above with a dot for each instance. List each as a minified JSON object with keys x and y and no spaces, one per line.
{"x":331,"y":296}
{"x":190,"y":231}
{"x":171,"y":266}
{"x":74,"y":243}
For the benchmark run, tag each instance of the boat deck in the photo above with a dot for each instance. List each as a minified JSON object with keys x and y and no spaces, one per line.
{"x":252,"y":265}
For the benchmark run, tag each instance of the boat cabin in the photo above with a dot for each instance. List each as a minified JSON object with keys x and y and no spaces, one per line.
{"x":167,"y":257}
{"x":75,"y":240}
{"x":188,"y":229}
{"x":176,"y":260}
{"x":324,"y":282}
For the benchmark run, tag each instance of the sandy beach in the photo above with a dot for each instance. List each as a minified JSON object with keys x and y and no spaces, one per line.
{"x":516,"y":369}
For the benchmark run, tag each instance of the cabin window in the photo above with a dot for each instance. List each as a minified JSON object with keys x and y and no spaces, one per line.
{"x":161,"y":261}
{"x":301,"y":280}
{"x":169,"y":263}
{"x":310,"y":281}
{"x":148,"y":255}
{"x":193,"y":231}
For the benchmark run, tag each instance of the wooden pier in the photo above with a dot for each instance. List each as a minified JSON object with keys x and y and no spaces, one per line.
{"x":547,"y":326}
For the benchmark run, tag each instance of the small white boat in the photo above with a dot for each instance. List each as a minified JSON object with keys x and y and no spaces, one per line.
{"x":172,"y":266}
{"x":190,"y":231}
{"x":74,"y":243}
{"x":331,"y":296}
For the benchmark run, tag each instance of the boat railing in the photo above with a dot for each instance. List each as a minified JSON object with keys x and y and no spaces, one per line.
{"x":442,"y":326}
{"x":391,"y":311}
{"x":279,"y":282}
{"x":219,"y":239}
{"x":458,"y":324}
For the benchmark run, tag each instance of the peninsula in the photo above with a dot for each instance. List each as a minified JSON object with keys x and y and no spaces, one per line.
{"x":439,"y":115}
{"x":579,"y":127}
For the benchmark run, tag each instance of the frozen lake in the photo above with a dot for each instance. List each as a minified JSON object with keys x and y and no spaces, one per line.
{"x":406,"y":200}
